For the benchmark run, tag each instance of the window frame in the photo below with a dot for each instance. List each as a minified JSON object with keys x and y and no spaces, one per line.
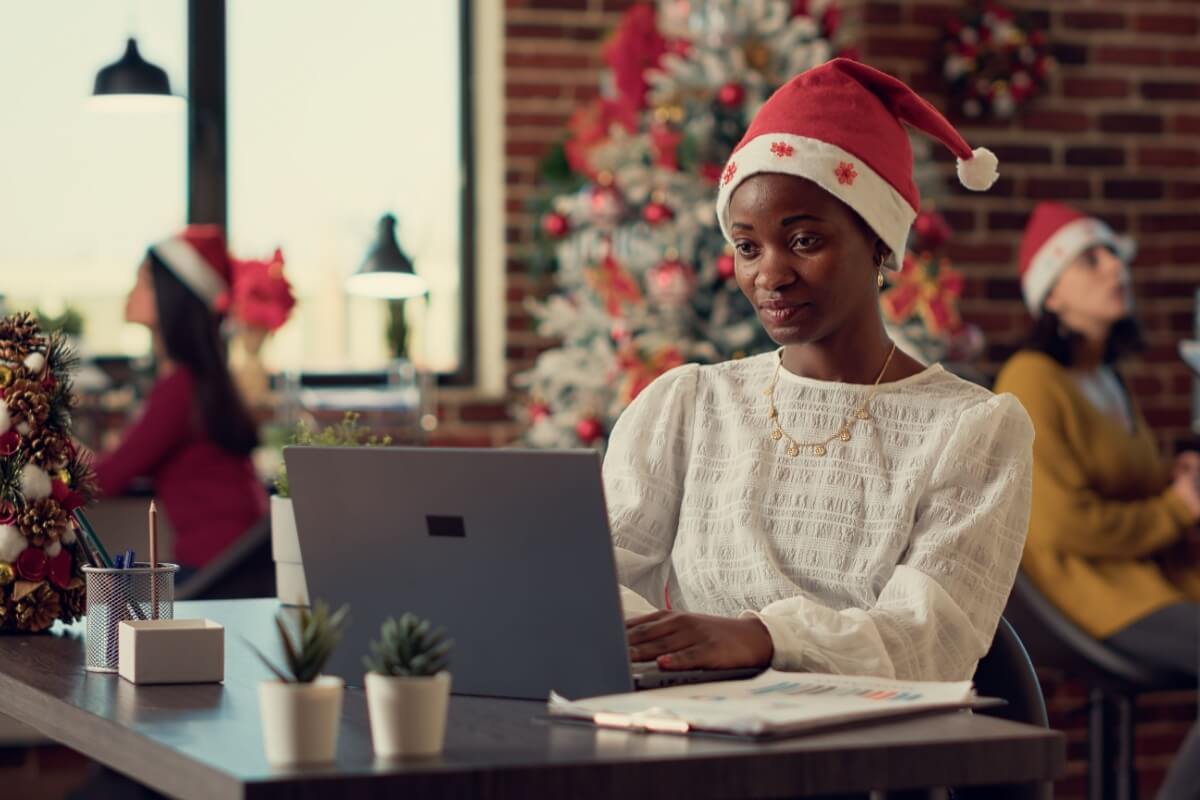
{"x":208,"y":147}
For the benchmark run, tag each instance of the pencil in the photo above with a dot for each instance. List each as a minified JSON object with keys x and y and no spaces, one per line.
{"x":153,"y":561}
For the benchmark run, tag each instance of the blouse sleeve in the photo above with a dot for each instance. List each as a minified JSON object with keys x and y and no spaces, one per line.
{"x":644,"y":471}
{"x":936,"y":615}
{"x":165,"y":420}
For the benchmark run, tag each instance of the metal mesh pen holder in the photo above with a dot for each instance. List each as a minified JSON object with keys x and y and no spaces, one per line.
{"x":114,"y":595}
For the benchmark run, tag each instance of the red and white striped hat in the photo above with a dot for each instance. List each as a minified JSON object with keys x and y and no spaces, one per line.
{"x":1054,"y":237}
{"x":839,"y":125}
{"x":199,"y":259}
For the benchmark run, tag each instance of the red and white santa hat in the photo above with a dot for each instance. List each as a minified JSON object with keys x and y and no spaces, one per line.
{"x":199,"y":259}
{"x":1054,"y":237}
{"x":839,"y":125}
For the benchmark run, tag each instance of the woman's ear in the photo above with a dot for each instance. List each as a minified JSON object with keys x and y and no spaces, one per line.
{"x":882,"y":251}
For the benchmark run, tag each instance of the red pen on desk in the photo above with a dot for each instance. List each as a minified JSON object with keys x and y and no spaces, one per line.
{"x":153,"y":561}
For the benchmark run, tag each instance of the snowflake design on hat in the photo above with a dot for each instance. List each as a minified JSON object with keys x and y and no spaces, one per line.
{"x":730,"y":171}
{"x":845,"y":173}
{"x":782,"y":149}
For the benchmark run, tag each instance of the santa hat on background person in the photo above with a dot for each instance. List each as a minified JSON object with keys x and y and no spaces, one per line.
{"x":199,"y":259}
{"x":839,"y":125}
{"x":1054,"y":237}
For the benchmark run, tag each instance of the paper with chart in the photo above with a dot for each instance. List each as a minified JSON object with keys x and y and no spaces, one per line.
{"x":773,"y":703}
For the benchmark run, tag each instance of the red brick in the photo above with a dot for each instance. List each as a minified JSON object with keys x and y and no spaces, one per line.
{"x":461,"y":437}
{"x":1168,"y":157}
{"x":1057,"y":189}
{"x":1185,"y":253}
{"x":878,"y":13}
{"x":1169,"y":24}
{"x":1131,"y":123}
{"x":1007,"y":220}
{"x":1185,"y":190}
{"x":577,"y":5}
{"x":1094,"y":20}
{"x":1019,"y":153}
{"x":937,"y":16}
{"x":1169,"y":223}
{"x":898,"y":47}
{"x":516,"y":30}
{"x":1163,"y":417}
{"x":1171,"y":90}
{"x":1058,"y":121}
{"x":1184,"y":58}
{"x":1095,"y":87}
{"x":1185,"y":123}
{"x":1167,"y":288}
{"x":1069,"y":53}
{"x":555,"y":61}
{"x":1095,"y":157}
{"x":524,"y":119}
{"x":1138,"y":56}
{"x":1001,"y":188}
{"x":484,"y":412}
{"x":518,"y":148}
{"x":1133,"y":189}
{"x":981,"y":253}
{"x":516,"y":90}
{"x":960,"y":220}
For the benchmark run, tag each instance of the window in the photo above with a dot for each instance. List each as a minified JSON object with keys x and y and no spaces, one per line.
{"x":337,"y":114}
{"x":82,"y":193}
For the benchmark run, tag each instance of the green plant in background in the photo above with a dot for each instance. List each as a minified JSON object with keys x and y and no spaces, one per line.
{"x":310,"y":645}
{"x":409,"y":647}
{"x":69,"y":321}
{"x":346,"y":433}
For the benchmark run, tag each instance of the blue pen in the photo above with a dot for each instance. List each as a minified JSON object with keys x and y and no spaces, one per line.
{"x":119,"y":561}
{"x":129,"y":562}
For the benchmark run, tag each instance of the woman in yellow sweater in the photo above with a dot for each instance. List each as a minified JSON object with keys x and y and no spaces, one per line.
{"x":1109,"y":516}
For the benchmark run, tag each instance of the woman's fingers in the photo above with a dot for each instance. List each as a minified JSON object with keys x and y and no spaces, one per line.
{"x":654,"y":628}
{"x":644,"y":618}
{"x":671,"y":643}
{"x":701,"y":655}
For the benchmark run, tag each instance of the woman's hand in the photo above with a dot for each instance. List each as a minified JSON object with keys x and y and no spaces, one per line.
{"x":1187,"y":487}
{"x":676,"y":640}
{"x":1188,"y":463}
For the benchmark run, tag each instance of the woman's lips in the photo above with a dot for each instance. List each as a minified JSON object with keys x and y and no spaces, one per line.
{"x":779,"y":312}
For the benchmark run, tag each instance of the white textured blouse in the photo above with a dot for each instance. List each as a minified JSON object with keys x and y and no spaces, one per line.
{"x":892,"y":555}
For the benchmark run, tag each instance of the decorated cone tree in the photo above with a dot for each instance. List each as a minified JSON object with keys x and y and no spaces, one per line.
{"x":43,"y":479}
{"x":644,"y":277}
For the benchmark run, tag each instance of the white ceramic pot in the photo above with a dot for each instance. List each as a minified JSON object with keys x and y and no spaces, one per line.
{"x":408,"y":715}
{"x":300,"y":721}
{"x":290,"y":585}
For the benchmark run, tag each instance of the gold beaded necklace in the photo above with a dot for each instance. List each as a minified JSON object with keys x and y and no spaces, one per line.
{"x":795,"y":448}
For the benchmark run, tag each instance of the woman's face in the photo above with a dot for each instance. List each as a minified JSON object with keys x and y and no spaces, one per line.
{"x":1093,"y":290}
{"x":804,"y":259}
{"x":140,"y":307}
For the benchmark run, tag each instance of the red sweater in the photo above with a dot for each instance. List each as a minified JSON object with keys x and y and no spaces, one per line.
{"x":210,"y":496}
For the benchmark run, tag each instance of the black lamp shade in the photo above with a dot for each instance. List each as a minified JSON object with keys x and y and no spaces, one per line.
{"x":131,"y":74}
{"x":387,"y":272}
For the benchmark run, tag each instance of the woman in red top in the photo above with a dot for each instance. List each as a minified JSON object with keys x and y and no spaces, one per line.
{"x":193,"y":436}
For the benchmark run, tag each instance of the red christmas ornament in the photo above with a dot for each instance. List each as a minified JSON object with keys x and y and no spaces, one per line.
{"x":60,"y":569}
{"x":538,"y":411}
{"x":31,"y":564}
{"x":589,"y":430}
{"x":9,"y":443}
{"x":731,"y":95}
{"x":657,"y":213}
{"x":725,"y":266}
{"x":8,"y":514}
{"x":555,"y":225}
{"x":932,"y":230}
{"x":606,"y":205}
{"x":671,"y":282}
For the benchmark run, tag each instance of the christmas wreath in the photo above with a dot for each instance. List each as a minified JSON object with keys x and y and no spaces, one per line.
{"x":43,"y":479}
{"x":993,"y":62}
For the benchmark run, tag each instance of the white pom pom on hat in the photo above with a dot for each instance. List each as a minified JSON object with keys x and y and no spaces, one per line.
{"x":841,"y":125}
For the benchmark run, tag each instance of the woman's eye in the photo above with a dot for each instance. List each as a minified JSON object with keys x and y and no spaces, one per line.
{"x":745,"y":249}
{"x":804,"y":242}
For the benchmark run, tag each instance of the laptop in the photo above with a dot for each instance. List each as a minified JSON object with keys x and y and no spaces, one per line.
{"x":509,"y":550}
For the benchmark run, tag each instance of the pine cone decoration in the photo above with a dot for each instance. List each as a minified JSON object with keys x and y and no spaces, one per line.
{"x":46,"y":448}
{"x":19,"y":334}
{"x":42,"y":521}
{"x":37,"y":610}
{"x":73,"y":603}
{"x":27,"y":402}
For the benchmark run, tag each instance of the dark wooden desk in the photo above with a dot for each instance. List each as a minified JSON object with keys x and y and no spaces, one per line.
{"x":205,"y":741}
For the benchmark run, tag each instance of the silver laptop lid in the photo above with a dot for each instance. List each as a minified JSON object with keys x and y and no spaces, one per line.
{"x":509,"y":550}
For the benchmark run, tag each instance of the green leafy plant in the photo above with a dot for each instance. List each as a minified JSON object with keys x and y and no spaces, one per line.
{"x":346,"y":433}
{"x":409,"y":647}
{"x":308,"y":647}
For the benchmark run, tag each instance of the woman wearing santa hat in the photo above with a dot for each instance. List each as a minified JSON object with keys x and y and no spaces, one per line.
{"x":1110,"y":516}
{"x":834,"y":505}
{"x":193,"y":436}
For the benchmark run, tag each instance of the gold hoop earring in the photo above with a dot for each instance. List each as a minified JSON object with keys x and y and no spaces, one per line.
{"x":879,"y":279}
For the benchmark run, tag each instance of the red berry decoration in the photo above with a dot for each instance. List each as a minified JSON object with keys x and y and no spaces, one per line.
{"x":657,"y":213}
{"x":731,"y":95}
{"x":932,"y":230}
{"x":538,"y":411}
{"x":555,"y":225}
{"x":725,"y":266}
{"x":60,"y":569}
{"x":589,"y":430}
{"x":31,"y":564}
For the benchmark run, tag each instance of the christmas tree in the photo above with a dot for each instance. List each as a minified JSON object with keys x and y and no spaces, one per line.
{"x":645,"y":280}
{"x":43,"y":479}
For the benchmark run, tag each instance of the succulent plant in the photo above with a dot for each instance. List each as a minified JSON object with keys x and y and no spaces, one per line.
{"x":310,"y":645}
{"x":409,"y":647}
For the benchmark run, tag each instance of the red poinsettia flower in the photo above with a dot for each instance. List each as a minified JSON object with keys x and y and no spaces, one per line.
{"x":666,"y":143}
{"x":31,"y":564}
{"x":60,"y":569}
{"x":262,"y":296}
{"x":590,"y":127}
{"x":638,"y":370}
{"x":66,"y":497}
{"x":635,"y":47}
{"x":615,"y":285}
{"x":920,"y":290}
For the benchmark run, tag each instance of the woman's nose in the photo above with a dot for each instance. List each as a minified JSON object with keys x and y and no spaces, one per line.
{"x":775,"y":272}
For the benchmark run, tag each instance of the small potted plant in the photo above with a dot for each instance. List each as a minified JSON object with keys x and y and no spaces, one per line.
{"x":290,"y":584}
{"x":301,"y":711}
{"x":408,"y":688}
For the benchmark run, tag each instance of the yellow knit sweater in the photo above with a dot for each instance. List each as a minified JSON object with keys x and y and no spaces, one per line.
{"x":1103,"y":517}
